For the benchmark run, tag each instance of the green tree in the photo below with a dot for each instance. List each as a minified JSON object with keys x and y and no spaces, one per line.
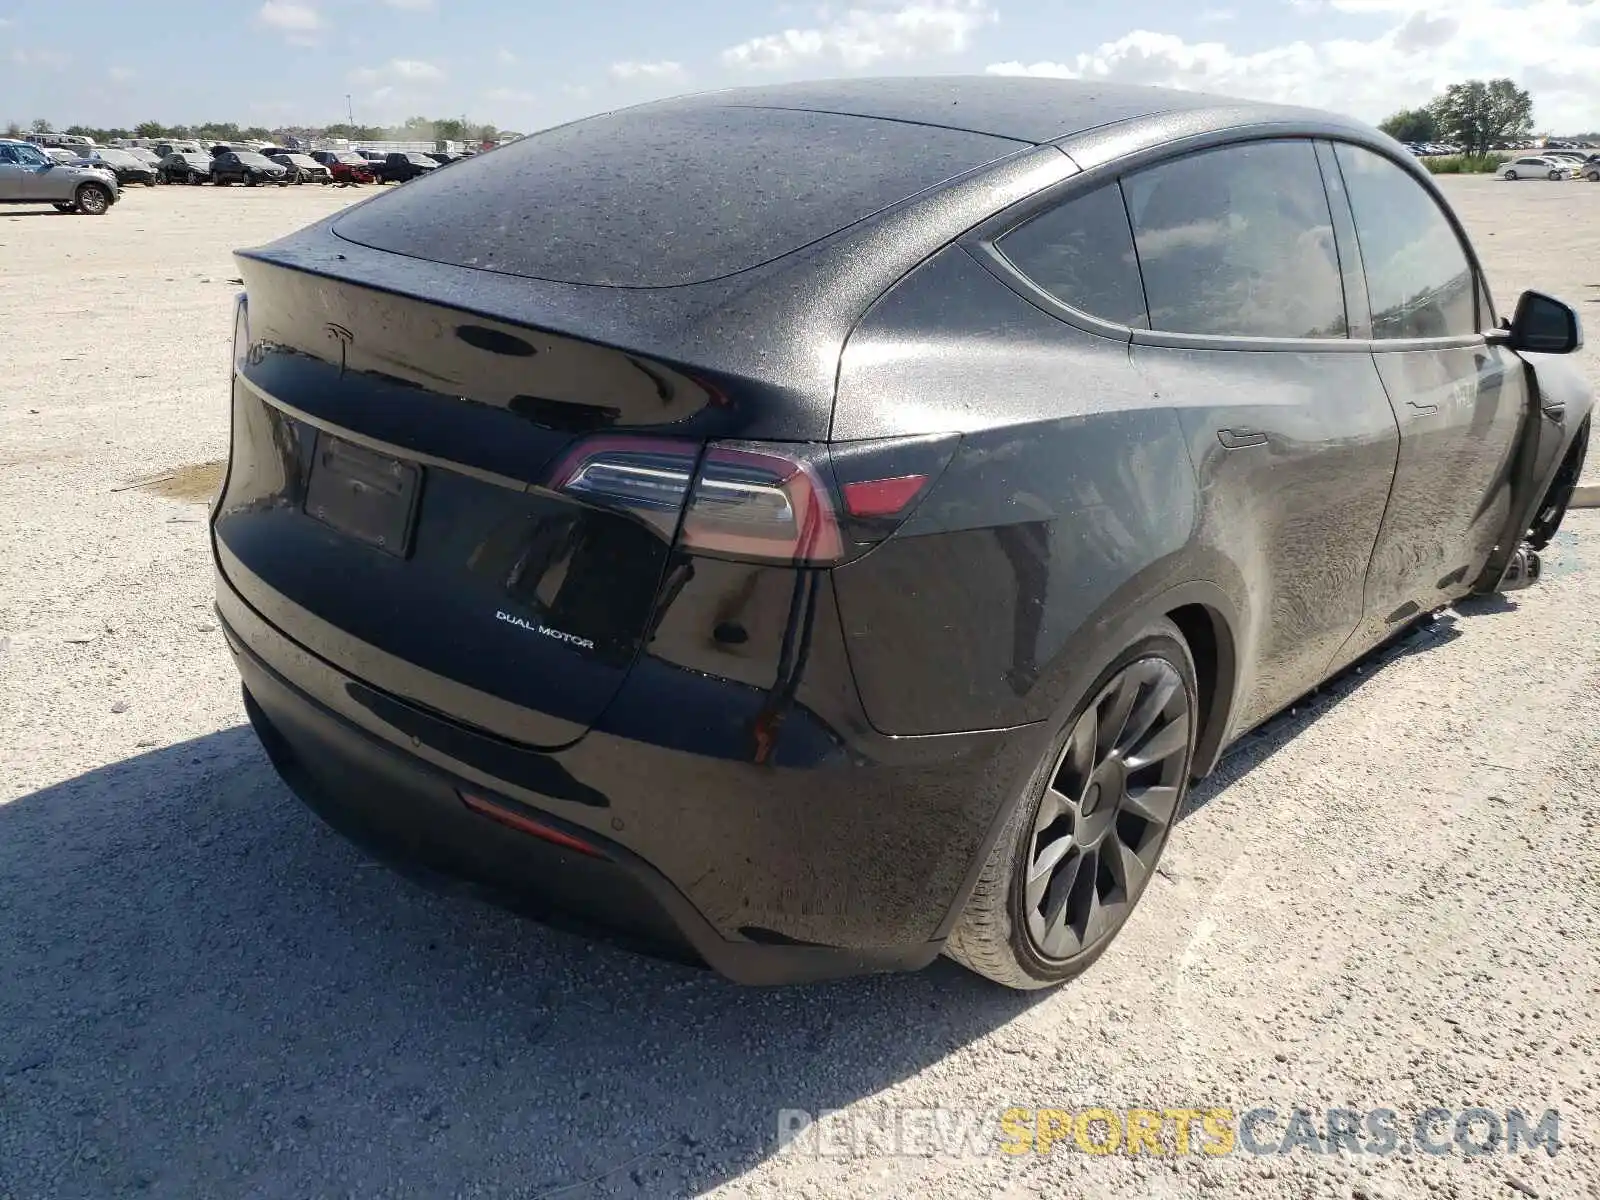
{"x":13,"y":130}
{"x":40,"y":125}
{"x":150,"y":129}
{"x":1412,"y":125}
{"x":1481,"y":114}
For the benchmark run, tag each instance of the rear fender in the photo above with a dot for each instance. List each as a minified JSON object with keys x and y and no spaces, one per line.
{"x":1148,"y":597}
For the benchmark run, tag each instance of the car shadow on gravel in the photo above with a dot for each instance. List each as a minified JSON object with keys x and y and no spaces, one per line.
{"x":205,"y":991}
{"x":1273,"y":735}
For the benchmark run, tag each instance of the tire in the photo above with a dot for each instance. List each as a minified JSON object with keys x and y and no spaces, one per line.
{"x":223,"y":182}
{"x":251,"y":181}
{"x":196,"y":179}
{"x":1510,"y":176}
{"x":1004,"y":937}
{"x":1554,"y":176}
{"x":93,"y":200}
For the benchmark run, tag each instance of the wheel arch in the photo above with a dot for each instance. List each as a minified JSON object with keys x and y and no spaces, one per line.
{"x":1211,"y":624}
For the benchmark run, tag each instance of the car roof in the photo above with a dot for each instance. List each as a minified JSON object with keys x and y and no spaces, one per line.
{"x":1022,"y":108}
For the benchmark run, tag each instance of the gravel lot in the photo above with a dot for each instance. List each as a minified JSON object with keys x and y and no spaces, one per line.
{"x":1387,"y":899}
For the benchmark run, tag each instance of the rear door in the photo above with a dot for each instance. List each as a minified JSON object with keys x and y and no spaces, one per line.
{"x":1290,"y":432}
{"x":1461,"y":402}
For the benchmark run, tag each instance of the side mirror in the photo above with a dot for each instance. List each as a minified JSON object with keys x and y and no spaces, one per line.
{"x":1544,"y":325}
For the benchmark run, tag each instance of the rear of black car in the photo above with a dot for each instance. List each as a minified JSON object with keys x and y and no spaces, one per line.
{"x":526,"y":542}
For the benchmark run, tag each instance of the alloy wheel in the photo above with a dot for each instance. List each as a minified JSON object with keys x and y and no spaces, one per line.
{"x":93,"y":200}
{"x":1104,"y":817}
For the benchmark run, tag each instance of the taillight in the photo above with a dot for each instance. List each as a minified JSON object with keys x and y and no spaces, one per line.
{"x":802,"y":503}
{"x":757,"y":500}
{"x":648,"y":477}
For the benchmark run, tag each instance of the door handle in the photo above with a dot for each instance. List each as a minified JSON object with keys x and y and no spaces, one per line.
{"x":1426,"y":410}
{"x":1238,"y":439}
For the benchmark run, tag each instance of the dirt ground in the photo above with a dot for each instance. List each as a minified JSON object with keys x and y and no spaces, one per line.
{"x":1386,"y":900}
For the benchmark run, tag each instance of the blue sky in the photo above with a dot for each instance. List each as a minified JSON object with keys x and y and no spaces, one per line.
{"x":524,"y":65}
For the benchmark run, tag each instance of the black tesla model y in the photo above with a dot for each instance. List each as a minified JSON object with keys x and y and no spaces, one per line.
{"x":812,"y":528}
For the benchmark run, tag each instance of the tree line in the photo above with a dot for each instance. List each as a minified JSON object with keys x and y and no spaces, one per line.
{"x":1479,"y":115}
{"x":453,"y":129}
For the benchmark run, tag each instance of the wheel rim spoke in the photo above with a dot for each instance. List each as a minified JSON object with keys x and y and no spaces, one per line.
{"x":1043,"y":869}
{"x":1060,"y":938}
{"x":1153,"y":804}
{"x":1081,"y":746}
{"x":1161,"y":688}
{"x":1115,"y":719}
{"x":1169,"y":738}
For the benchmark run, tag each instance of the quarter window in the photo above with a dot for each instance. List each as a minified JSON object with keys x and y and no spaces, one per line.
{"x":1418,"y":276}
{"x":1239,"y":242}
{"x":1081,"y":252}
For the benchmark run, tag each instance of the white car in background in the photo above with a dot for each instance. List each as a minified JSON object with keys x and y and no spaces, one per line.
{"x":1538,"y":167}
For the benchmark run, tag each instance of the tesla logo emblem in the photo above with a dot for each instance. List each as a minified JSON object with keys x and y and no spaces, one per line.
{"x":343,"y":336}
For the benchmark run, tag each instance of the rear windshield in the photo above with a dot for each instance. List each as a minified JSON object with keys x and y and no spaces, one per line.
{"x":658,"y":197}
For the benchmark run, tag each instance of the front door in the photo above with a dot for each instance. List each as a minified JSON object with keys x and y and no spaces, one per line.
{"x":1460,"y":401}
{"x":10,"y":174}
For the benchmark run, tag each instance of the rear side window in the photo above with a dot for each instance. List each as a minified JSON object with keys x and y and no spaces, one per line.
{"x":1239,"y":242}
{"x":662,"y":196}
{"x":1082,"y":254}
{"x":1418,"y":276}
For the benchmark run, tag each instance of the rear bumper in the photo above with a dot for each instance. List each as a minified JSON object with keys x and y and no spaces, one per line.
{"x":768,"y":875}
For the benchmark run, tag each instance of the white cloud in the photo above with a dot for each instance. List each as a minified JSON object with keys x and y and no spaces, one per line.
{"x":415,"y":71}
{"x":122,"y":74}
{"x":289,"y":17}
{"x":505,"y":58}
{"x":509,"y":96}
{"x":411,"y":5}
{"x":1217,"y":16}
{"x":871,"y":33}
{"x":45,"y":60}
{"x":661,"y":71}
{"x":1431,"y":44}
{"x":397,"y":71}
{"x":6,"y":22}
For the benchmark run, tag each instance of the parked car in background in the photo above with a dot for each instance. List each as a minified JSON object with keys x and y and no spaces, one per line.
{"x":128,"y":168}
{"x":145,"y":155}
{"x":302,"y":168}
{"x":180,"y":147}
{"x":1537,"y":167}
{"x":897,"y":616}
{"x":30,"y":176}
{"x":346,"y":166}
{"x":61,"y":154}
{"x":246,"y":167}
{"x":188,"y":166}
{"x":401,"y":167}
{"x":375,"y":158}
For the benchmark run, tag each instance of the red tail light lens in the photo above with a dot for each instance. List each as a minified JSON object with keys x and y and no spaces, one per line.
{"x":883,"y":497}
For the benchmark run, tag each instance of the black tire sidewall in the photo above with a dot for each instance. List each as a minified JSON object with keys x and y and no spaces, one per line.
{"x":1162,"y":640}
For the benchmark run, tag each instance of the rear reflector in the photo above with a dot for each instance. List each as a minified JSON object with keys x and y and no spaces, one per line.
{"x":523,"y":824}
{"x":882,"y":497}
